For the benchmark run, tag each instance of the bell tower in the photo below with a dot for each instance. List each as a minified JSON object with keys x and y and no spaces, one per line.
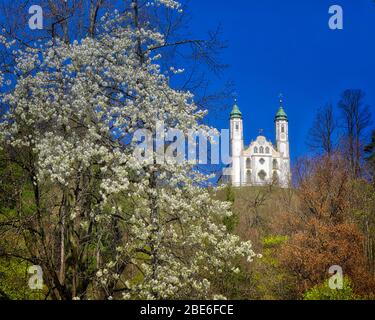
{"x":282,"y":143}
{"x":282,"y":132}
{"x":236,"y":144}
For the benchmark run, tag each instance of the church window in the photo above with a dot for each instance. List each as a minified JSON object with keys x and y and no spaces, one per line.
{"x":248,"y":163}
{"x":256,"y":150}
{"x":282,"y":129}
{"x":267,"y":150}
{"x":261,"y":150}
{"x":262,"y":175}
{"x":262,"y":161}
{"x":237,"y":127}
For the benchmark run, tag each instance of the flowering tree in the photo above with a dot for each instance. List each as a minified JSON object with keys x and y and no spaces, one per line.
{"x":103,"y":223}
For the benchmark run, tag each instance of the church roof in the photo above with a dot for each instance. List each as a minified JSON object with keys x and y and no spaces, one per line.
{"x":281,"y":114}
{"x":236,"y":113}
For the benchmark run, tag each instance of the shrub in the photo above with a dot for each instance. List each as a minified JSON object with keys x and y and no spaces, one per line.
{"x":324,"y":292}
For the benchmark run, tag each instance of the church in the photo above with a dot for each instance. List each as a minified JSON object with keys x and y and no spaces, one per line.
{"x":260,"y":163}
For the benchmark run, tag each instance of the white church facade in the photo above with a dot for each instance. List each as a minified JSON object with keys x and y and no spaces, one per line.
{"x":261,"y":163}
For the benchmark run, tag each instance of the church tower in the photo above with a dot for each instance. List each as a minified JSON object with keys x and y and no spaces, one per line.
{"x":236,"y":144}
{"x":282,"y":144}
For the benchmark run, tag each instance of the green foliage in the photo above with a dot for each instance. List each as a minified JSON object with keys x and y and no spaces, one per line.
{"x":14,"y":191}
{"x":274,"y":241}
{"x":324,"y":292}
{"x":272,"y":281}
{"x":232,"y":221}
{"x":14,"y":281}
{"x":229,"y":193}
{"x":10,"y":177}
{"x":238,"y":285}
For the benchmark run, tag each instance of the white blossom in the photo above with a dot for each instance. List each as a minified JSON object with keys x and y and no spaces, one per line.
{"x":84,"y":101}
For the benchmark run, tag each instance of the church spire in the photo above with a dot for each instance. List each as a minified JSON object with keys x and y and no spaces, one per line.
{"x":281,"y":114}
{"x":236,"y":112}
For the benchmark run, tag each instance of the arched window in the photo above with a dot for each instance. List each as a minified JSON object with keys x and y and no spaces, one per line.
{"x":275,"y":165}
{"x":261,"y":150}
{"x":248,"y":163}
{"x":262,"y":175}
{"x":267,"y":150}
{"x":282,"y":129}
{"x":255,"y":149}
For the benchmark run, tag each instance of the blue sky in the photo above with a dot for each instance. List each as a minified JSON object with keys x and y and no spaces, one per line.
{"x":286,"y":46}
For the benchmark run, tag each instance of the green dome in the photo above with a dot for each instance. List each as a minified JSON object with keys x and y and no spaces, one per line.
{"x":281,"y":115}
{"x":236,"y":113}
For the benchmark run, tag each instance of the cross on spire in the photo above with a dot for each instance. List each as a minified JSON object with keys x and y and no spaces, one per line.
{"x":235,"y":95}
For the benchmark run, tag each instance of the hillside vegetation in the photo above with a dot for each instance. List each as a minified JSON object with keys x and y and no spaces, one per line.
{"x":302,"y":232}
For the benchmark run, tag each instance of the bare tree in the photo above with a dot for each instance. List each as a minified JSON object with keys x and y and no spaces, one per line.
{"x":322,"y":134}
{"x":253,"y":202}
{"x":370,"y":156}
{"x":77,"y":19}
{"x":67,"y":20}
{"x":356,"y":119}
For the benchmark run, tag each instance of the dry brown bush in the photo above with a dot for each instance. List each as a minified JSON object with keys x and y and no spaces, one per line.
{"x":325,"y":233}
{"x":310,"y":253}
